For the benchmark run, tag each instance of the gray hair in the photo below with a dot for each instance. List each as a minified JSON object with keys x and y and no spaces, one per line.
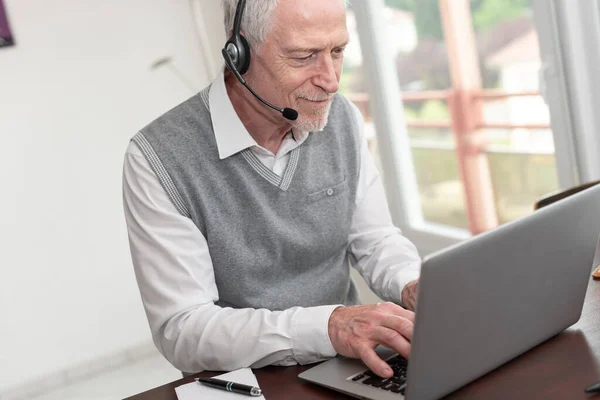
{"x":256,"y":21}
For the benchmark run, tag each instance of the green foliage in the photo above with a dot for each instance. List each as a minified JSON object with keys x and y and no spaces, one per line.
{"x":518,"y":181}
{"x":440,"y":189}
{"x":408,"y":5}
{"x":434,"y":110}
{"x":486,"y":13}
{"x":410,"y":114}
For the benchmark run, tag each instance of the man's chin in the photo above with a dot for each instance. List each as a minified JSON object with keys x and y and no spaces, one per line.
{"x":310,"y":125}
{"x":311,"y":121}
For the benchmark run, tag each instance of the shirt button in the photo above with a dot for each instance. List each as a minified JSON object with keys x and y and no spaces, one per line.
{"x":329,"y":192}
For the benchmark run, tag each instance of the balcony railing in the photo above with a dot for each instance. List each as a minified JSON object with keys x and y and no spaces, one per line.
{"x":471,"y":103}
{"x":362,"y":102}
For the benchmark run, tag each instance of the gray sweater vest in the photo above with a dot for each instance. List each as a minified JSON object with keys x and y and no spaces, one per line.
{"x":274,"y":242}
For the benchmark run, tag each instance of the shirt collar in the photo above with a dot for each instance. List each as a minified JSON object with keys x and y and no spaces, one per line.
{"x":230,"y":133}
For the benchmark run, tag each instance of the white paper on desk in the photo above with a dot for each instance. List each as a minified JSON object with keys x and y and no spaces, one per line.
{"x":197,"y":391}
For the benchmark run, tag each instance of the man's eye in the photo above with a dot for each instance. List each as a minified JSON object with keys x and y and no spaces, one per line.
{"x":304,"y":58}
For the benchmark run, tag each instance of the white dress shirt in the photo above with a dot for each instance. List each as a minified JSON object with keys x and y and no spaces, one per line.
{"x":175,"y":274}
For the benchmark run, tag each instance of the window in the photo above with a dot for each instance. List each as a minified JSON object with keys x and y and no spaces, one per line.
{"x":474,"y":126}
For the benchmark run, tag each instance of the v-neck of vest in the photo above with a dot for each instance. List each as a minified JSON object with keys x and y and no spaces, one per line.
{"x":282,"y":182}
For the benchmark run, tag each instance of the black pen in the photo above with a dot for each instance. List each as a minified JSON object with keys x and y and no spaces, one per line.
{"x":595,"y":388}
{"x":230,"y":386}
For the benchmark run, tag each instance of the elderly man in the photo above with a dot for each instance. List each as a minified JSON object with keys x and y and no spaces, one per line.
{"x":243,"y":222}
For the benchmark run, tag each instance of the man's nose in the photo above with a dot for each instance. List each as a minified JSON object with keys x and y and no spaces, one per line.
{"x":327,"y":75}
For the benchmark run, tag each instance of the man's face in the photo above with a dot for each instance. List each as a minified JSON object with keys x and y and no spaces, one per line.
{"x":300,"y":63}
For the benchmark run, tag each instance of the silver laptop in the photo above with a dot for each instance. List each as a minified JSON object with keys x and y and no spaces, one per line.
{"x":485,"y":301}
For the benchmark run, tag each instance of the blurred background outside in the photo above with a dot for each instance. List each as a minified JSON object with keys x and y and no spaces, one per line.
{"x":511,"y":120}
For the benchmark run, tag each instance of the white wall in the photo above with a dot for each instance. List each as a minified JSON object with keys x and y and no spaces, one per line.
{"x":73,"y":91}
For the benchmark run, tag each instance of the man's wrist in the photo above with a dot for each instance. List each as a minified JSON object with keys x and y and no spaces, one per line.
{"x":409,"y":295}
{"x":331,"y":326}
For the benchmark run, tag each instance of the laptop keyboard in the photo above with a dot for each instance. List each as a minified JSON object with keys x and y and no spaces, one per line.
{"x":395,"y":384}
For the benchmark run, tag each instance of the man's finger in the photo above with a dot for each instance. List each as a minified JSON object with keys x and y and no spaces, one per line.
{"x":403,"y":326}
{"x":392,"y":339}
{"x":374,"y":363}
{"x":391,"y":308}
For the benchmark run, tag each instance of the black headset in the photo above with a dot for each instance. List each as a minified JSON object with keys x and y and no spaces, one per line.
{"x":237,"y":46}
{"x":237,"y":58}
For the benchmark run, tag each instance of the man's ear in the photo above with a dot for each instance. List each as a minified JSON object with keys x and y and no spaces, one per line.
{"x":230,"y":33}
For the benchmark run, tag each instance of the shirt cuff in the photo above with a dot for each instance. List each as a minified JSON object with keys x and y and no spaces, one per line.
{"x":310,"y":332}
{"x":403,"y":277}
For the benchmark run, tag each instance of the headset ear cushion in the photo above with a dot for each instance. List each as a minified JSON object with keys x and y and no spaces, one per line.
{"x":244,"y":60}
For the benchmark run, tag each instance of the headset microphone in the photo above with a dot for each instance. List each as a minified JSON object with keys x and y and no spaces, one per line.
{"x":237,"y":58}
{"x":288,"y":113}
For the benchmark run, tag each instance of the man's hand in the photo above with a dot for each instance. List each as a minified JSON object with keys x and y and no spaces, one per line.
{"x":355,"y":332}
{"x":409,"y":295}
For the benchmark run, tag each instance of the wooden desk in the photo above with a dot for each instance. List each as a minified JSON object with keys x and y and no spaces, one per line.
{"x":559,"y":368}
